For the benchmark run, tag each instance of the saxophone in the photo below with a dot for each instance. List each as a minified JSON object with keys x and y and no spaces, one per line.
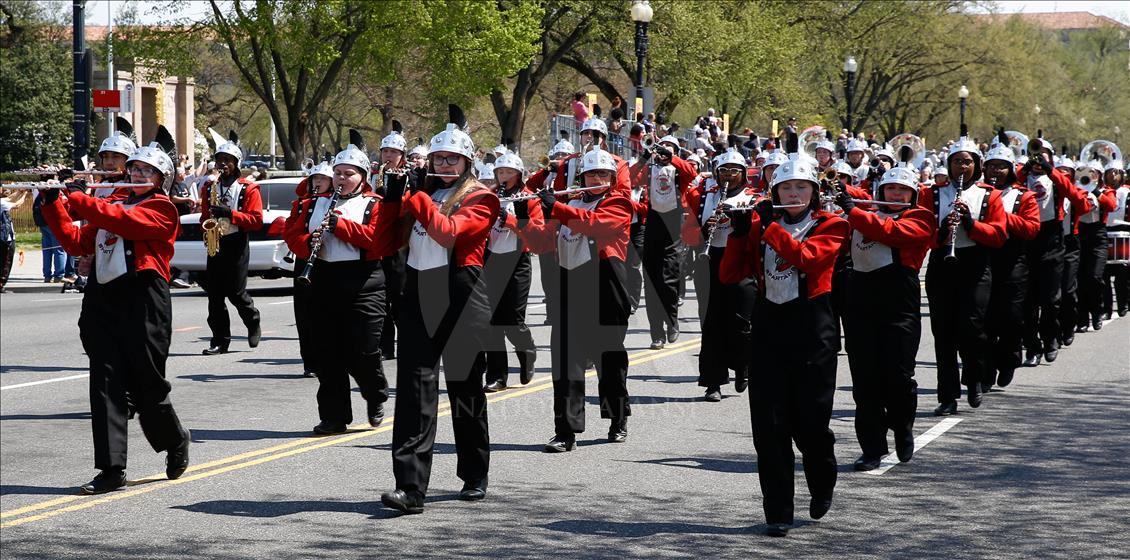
{"x":214,"y":228}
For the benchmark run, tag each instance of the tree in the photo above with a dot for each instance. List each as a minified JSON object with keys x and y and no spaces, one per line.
{"x":35,"y":87}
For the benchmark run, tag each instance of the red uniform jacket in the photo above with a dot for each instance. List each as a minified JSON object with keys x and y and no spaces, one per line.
{"x":151,"y":226}
{"x":1108,"y":201}
{"x":607,"y":224}
{"x":815,"y":255}
{"x":1024,"y":223}
{"x":988,"y":231}
{"x":1062,"y":187}
{"x":377,"y":238}
{"x":532,"y":233}
{"x":911,"y":233}
{"x":249,"y":216}
{"x":466,"y":230}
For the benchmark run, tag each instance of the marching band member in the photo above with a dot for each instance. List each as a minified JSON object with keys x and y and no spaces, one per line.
{"x":635,"y":245}
{"x":393,"y":147}
{"x":1046,"y":251}
{"x":239,"y":212}
{"x":508,"y":273}
{"x":1009,"y":265}
{"x":793,"y":383}
{"x":666,"y":177}
{"x":857,"y":157}
{"x":557,"y":166}
{"x":1114,"y":178}
{"x":112,"y":156}
{"x":352,"y":233}
{"x":126,"y":319}
{"x":451,"y":216}
{"x":1092,"y":247}
{"x":318,"y":184}
{"x":725,"y":309}
{"x":884,"y":310}
{"x":825,"y":152}
{"x":591,"y":234}
{"x":971,"y":223}
{"x":1069,"y":280}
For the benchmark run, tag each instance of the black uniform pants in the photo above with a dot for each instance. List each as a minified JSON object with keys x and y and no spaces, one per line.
{"x":592,"y":325}
{"x":882,"y":334}
{"x":304,"y":321}
{"x":445,"y":315}
{"x":7,"y":253}
{"x":550,"y":275}
{"x":841,"y":287}
{"x":1070,"y":302}
{"x":1007,"y":308}
{"x":508,"y":286}
{"x":958,"y":292}
{"x":125,"y":327}
{"x":635,"y":275}
{"x":726,"y":327}
{"x":790,"y":398}
{"x":663,"y":269}
{"x":393,"y":266}
{"x":348,"y":307}
{"x":1044,"y":295}
{"x":227,"y":280}
{"x":1092,"y":260}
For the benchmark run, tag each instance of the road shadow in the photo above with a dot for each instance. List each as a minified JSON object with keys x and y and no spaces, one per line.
{"x":201,"y":435}
{"x":19,"y":489}
{"x":210,"y":377}
{"x":60,"y":416}
{"x":48,"y":369}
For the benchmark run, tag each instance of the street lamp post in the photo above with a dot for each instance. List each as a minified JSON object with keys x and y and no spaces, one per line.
{"x":1038,"y":110}
{"x":850,"y":66}
{"x":641,"y":14}
{"x":963,"y":94}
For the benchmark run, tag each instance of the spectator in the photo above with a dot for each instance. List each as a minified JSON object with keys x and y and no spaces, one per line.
{"x":580,"y":110}
{"x":8,"y":233}
{"x":615,"y":120}
{"x":791,"y":126}
{"x":54,"y":257}
{"x":618,"y":103}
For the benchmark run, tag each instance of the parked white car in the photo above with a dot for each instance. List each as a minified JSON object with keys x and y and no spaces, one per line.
{"x":270,"y":257}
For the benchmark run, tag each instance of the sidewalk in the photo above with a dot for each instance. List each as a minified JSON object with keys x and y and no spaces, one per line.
{"x":27,"y":274}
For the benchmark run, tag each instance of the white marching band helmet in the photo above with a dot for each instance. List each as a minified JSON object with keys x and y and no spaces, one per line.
{"x":395,"y":139}
{"x":419,"y":150}
{"x":229,"y":145}
{"x":842,"y":168}
{"x":157,"y":155}
{"x":730,"y":157}
{"x":670,"y":139}
{"x":453,"y":139}
{"x":562,"y":147}
{"x":354,"y":153}
{"x":797,"y":167}
{"x":902,"y":175}
{"x":856,"y":145}
{"x":324,"y":169}
{"x":595,"y":124}
{"x":1065,"y":162}
{"x":509,"y":160}
{"x":121,"y":140}
{"x":1002,"y":153}
{"x":597,"y":159}
{"x":776,"y":157}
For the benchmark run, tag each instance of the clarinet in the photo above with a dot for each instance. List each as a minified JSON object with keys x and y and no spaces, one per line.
{"x":952,"y":255}
{"x":304,"y":277}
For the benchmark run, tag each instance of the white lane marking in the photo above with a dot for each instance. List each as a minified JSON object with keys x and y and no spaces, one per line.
{"x":919,"y":442}
{"x":56,"y":299}
{"x":284,"y":302}
{"x":45,"y":381}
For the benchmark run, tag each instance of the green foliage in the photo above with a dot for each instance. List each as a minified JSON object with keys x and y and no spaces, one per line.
{"x":35,"y":87}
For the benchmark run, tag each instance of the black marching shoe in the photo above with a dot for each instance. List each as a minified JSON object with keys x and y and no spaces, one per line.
{"x":254,"y":335}
{"x":945,"y":409}
{"x":1122,"y":311}
{"x":214,"y":350}
{"x":1068,"y":338}
{"x":986,"y":388}
{"x":106,"y":481}
{"x":327,"y":428}
{"x":526,"y":361}
{"x":410,"y":502}
{"x":560,"y":445}
{"x":865,"y":463}
{"x":1033,"y":359}
{"x":308,"y":373}
{"x":176,"y":461}
{"x":1097,"y":323}
{"x":1005,"y":377}
{"x":817,"y":507}
{"x":1106,"y":315}
{"x":741,"y":381}
{"x":1081,"y":328}
{"x":904,"y":446}
{"x":713,"y":394}
{"x":672,"y":334}
{"x":657,"y":344}
{"x":618,"y":430}
{"x":376,"y":414}
{"x":777,"y":530}
{"x":974,"y":393}
{"x":1051,"y":355}
{"x":473,"y":491}
{"x":494,"y":387}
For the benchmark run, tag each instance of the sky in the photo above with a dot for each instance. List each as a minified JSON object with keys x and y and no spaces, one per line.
{"x":96,"y":10}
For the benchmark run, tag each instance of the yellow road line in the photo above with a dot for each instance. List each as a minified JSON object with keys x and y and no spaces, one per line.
{"x":268,"y":454}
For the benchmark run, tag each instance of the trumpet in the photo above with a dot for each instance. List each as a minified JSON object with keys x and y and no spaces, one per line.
{"x":569,"y":191}
{"x":28,"y":186}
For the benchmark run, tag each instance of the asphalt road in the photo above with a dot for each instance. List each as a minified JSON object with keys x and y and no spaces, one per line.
{"x":1041,"y":470}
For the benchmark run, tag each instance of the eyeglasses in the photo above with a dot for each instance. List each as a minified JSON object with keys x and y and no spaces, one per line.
{"x":729,"y":171}
{"x":145,"y":171}
{"x":446,"y":160}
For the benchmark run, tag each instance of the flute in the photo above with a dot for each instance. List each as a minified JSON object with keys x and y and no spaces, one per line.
{"x":520,"y":197}
{"x":58,"y":171}
{"x":38,"y":186}
{"x":881,"y":202}
{"x":734,"y":209}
